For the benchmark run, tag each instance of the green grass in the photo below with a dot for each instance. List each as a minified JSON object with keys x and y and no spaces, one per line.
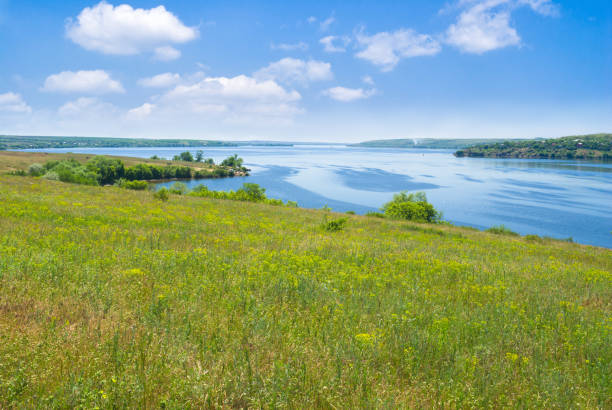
{"x":111,"y":298}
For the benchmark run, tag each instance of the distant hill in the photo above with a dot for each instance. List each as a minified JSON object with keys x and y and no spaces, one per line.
{"x":431,"y":143}
{"x":593,"y":146}
{"x":8,"y":142}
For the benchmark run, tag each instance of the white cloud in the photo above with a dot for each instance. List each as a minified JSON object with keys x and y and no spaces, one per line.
{"x":290,"y":47}
{"x":160,"y":80}
{"x":86,"y":106}
{"x":311,"y":19}
{"x":386,"y":49}
{"x":330,"y":47}
{"x":166,"y":53}
{"x":141,"y":112}
{"x":292,"y":70}
{"x":544,"y":7}
{"x":237,"y":99}
{"x":12,"y":102}
{"x":89,"y":82}
{"x":485,"y":25}
{"x":324,"y":25}
{"x":348,"y":94}
{"x":367,"y":79}
{"x":124,"y":30}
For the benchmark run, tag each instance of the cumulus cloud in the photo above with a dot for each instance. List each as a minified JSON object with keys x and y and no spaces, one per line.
{"x":14,"y":103}
{"x":141,"y":112}
{"x":483,"y":28}
{"x":237,"y":99}
{"x":166,"y":53}
{"x":86,"y":106}
{"x":292,"y":70}
{"x":124,"y":30}
{"x":335,"y":44}
{"x":160,"y":80}
{"x":86,"y":82}
{"x":344,"y":94}
{"x":386,"y":49}
{"x":485,"y":25}
{"x":290,"y":46}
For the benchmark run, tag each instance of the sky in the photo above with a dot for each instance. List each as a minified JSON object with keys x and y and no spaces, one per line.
{"x":334,"y":71}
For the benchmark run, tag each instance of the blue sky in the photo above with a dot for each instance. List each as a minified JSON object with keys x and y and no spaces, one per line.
{"x":320,"y":70}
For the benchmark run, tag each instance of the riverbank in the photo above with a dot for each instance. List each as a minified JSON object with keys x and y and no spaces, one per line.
{"x":583,"y":147}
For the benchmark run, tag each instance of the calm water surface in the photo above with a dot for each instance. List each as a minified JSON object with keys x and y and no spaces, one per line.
{"x":553,"y":198}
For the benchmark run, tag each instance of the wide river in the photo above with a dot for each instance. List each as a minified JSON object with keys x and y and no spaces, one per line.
{"x":560,"y":199}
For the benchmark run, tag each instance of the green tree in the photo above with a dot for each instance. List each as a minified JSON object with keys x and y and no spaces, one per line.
{"x":199,"y":156}
{"x":413,"y":207}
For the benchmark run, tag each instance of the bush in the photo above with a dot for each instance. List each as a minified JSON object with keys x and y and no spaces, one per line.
{"x":253,"y":192}
{"x":135,"y":185}
{"x":501,"y":230}
{"x":70,"y":171}
{"x":183,"y":156}
{"x":233,"y":162}
{"x":108,"y":170}
{"x":374,"y":214}
{"x":178,"y":188}
{"x":334,"y":225}
{"x":350,"y":212}
{"x":162,"y":194}
{"x":36,"y":170}
{"x":412,"y":207}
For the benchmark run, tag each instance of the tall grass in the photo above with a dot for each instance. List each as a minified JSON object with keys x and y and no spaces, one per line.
{"x":110,"y":298}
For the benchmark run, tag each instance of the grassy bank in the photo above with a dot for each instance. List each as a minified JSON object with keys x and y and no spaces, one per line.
{"x":112,"y":298}
{"x":589,"y":147}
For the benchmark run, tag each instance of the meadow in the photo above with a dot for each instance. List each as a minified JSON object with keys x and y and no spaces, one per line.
{"x":111,"y":298}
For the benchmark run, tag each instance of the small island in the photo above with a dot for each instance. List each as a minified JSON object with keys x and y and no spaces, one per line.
{"x":591,"y":147}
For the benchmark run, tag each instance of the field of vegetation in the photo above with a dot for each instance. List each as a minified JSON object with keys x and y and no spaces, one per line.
{"x":108,"y":170}
{"x":8,"y":142}
{"x":112,"y":298}
{"x":595,"y":146}
{"x":431,"y":143}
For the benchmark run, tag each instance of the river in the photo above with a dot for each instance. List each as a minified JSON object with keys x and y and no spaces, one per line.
{"x":556,"y":198}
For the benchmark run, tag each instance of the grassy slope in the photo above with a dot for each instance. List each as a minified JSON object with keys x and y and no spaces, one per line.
{"x":38,"y":142}
{"x":110,"y":298}
{"x":19,"y":160}
{"x":426,"y":143}
{"x":594,"y":146}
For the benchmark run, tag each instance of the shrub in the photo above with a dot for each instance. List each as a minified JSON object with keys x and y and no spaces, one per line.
{"x":533,"y":238}
{"x":108,"y":170}
{"x":252,"y":191}
{"x":184,"y":156}
{"x":51,"y":176}
{"x":412,"y":207}
{"x":350,"y":212}
{"x":71,"y":171}
{"x":178,"y":188}
{"x":36,"y":170}
{"x":334,"y":225}
{"x":18,"y":172}
{"x":135,"y":185}
{"x":162,"y":194}
{"x":501,"y":230}
{"x":374,"y":214}
{"x":233,"y":162}
{"x":203,"y":173}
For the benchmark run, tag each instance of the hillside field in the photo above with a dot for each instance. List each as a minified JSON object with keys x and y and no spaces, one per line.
{"x":110,"y":298}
